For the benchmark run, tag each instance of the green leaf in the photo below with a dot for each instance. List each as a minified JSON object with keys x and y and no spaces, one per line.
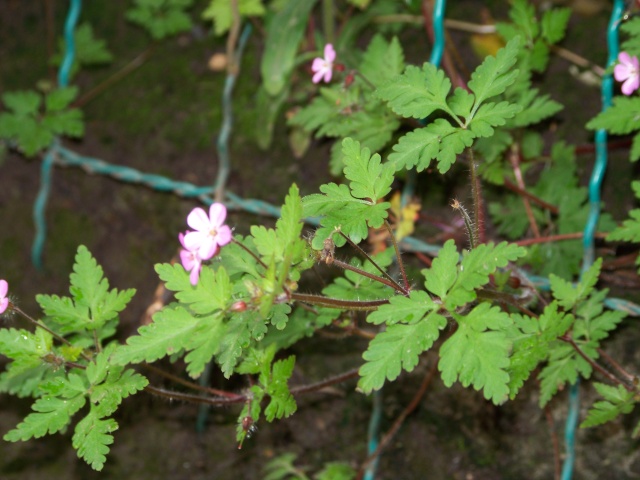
{"x":211,"y":293}
{"x":535,"y":109}
{"x":110,"y":384}
{"x":119,"y":384}
{"x":398,"y":348}
{"x":523,"y":14}
{"x":282,"y":403}
{"x":495,"y":74}
{"x":401,"y":309}
{"x":284,"y":241}
{"x":568,"y":295}
{"x":281,"y":467}
{"x":531,"y":342}
{"x":475,"y":268}
{"x":382,"y":60}
{"x":621,"y":118}
{"x":492,"y":115}
{"x":284,"y":33}
{"x":554,"y":24}
{"x":234,"y":341}
{"x":204,"y":344}
{"x":161,"y":18}
{"x":344,"y":208}
{"x":617,"y":400}
{"x":60,"y":98}
{"x":52,"y":415}
{"x":629,"y":231}
{"x":417,"y":92}
{"x":93,"y":304}
{"x":171,"y":330}
{"x":478,"y":353}
{"x":336,"y":471}
{"x":565,"y":365}
{"x":92,"y":438}
{"x":22,"y":103}
{"x":443,"y":272}
{"x":369,"y":179}
{"x":438,"y":140}
{"x":221,"y":13}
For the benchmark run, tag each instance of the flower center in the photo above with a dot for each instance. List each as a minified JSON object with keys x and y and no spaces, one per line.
{"x":213,"y":232}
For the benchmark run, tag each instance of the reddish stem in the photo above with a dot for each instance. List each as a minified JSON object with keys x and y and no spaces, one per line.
{"x":399,"y":421}
{"x":514,"y":158}
{"x":555,"y":238}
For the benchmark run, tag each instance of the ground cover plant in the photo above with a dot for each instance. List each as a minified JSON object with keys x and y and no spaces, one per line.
{"x":511,"y":302}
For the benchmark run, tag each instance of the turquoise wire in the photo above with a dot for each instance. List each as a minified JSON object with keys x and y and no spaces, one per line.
{"x":227,"y":114}
{"x":438,"y":32}
{"x":46,"y":168}
{"x":158,"y":182}
{"x":224,"y":166}
{"x":595,"y":184}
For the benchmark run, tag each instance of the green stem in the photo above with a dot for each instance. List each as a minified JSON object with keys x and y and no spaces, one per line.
{"x":116,"y":77}
{"x":327,"y":20}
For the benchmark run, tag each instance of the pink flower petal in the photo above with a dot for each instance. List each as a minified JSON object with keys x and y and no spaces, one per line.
{"x":317,"y":76}
{"x":217,"y":214}
{"x":4,"y":303}
{"x":631,"y":85}
{"x":224,"y":235}
{"x":624,"y":58}
{"x":198,"y":220}
{"x":328,"y":75}
{"x":4,"y":288}
{"x":317,"y":65}
{"x":187,"y":259}
{"x":208,"y":249}
{"x":329,"y":53}
{"x":621,"y":72}
{"x":195,"y":275}
{"x":193,"y":240}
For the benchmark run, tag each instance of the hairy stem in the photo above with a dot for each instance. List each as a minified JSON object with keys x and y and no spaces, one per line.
{"x":477,"y":199}
{"x":188,"y":384}
{"x":405,"y":280}
{"x":395,"y":285}
{"x":389,"y":283}
{"x":361,"y":305}
{"x":314,"y":387}
{"x":597,"y":367}
{"x":520,"y":191}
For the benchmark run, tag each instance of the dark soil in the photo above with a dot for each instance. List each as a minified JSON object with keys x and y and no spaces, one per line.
{"x":164,"y":119}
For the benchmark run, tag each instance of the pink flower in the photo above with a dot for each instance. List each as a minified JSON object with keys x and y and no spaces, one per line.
{"x":4,"y":300}
{"x":190,"y":261}
{"x":627,"y":71}
{"x":210,"y":231}
{"x":323,"y":67}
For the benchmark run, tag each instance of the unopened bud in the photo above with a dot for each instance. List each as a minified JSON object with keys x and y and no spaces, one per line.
{"x":348,"y":80}
{"x":239,"y":306}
